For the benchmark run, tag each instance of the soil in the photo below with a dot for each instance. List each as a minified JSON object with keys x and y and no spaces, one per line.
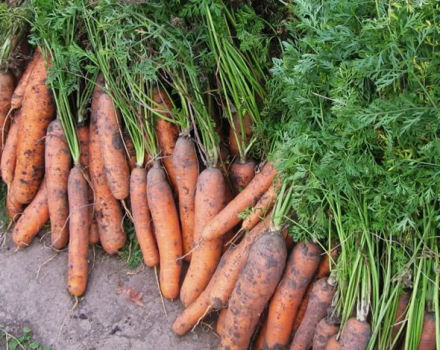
{"x":33,"y":293}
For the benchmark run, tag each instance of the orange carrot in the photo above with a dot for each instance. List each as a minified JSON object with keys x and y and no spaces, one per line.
{"x":37,"y":112}
{"x":221,"y":321}
{"x":205,"y":257}
{"x":241,"y":174}
{"x":333,"y":344}
{"x":355,"y":335}
{"x":400,"y":314}
{"x":9,"y":155}
{"x":255,"y":285}
{"x":57,"y":163}
{"x":166,"y":225}
{"x":82,"y":131}
{"x":7,"y":83}
{"x":260,"y":209}
{"x":325,"y":329}
{"x":94,"y":231}
{"x":79,"y":224}
{"x":228,"y":217}
{"x":259,"y":343}
{"x":236,"y":134}
{"x":227,"y":198}
{"x":303,"y":262}
{"x":427,"y":340}
{"x":130,"y":151}
{"x":13,"y":208}
{"x":186,"y":170}
{"x":32,"y":220}
{"x":141,"y":216}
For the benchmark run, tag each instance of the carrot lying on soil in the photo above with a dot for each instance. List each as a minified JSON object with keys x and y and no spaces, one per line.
{"x":301,"y":267}
{"x":9,"y":155}
{"x":186,"y":170}
{"x":241,"y":173}
{"x":94,"y":231}
{"x":355,"y":335}
{"x":37,"y":111}
{"x":261,"y":208}
{"x":333,"y":344}
{"x":32,"y":220}
{"x":234,"y":135}
{"x":57,"y":164}
{"x":107,"y":209}
{"x":114,"y":158}
{"x":325,"y":329}
{"x":228,"y":217}
{"x":209,"y":201}
{"x":221,"y":321}
{"x":141,"y":216}
{"x":13,"y":208}
{"x":427,"y":340}
{"x":166,"y":224}
{"x":79,"y":224}
{"x":217,"y":292}
{"x":400,"y":314}
{"x":166,"y":132}
{"x":7,"y":83}
{"x":255,"y":285}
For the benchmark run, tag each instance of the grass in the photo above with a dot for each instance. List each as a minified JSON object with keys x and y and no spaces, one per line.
{"x":24,"y":342}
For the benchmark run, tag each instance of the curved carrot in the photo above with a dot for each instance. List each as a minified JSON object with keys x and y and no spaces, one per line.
{"x":333,"y":344}
{"x":427,"y":340}
{"x":166,"y":225}
{"x":355,"y":335}
{"x":303,"y":262}
{"x":186,"y":170}
{"x":255,"y":285}
{"x":79,"y":224}
{"x":7,"y":83}
{"x":32,"y":220}
{"x":402,"y":304}
{"x":13,"y":208}
{"x":261,"y":208}
{"x":57,"y":164}
{"x":9,"y":155}
{"x":241,"y":173}
{"x":228,"y":217}
{"x":141,"y":216}
{"x":205,"y":257}
{"x":325,"y":329}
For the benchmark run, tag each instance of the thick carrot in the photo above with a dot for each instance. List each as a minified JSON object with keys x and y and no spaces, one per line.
{"x":228,"y":217}
{"x":255,"y":285}
{"x":13,"y":208}
{"x":37,"y":112}
{"x":303,"y":262}
{"x":241,"y":173}
{"x":333,"y":344}
{"x":209,"y":201}
{"x":325,"y":329}
{"x":219,"y":288}
{"x":427,"y":341}
{"x":7,"y":83}
{"x":221,"y":321}
{"x":116,"y":168}
{"x":141,"y":216}
{"x":355,"y":335}
{"x":402,"y":305}
{"x":94,"y":231}
{"x":166,"y":132}
{"x":260,"y":209}
{"x":108,"y":211}
{"x":79,"y":224}
{"x":57,"y":163}
{"x":9,"y":155}
{"x":166,"y":224}
{"x":32,"y":220}
{"x":234,"y":135}
{"x":186,"y":170}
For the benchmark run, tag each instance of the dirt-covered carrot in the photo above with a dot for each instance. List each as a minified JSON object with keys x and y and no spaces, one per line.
{"x":205,"y":257}
{"x":82,"y":132}
{"x":186,"y":170}
{"x":235,"y":135}
{"x":166,"y":132}
{"x":37,"y":112}
{"x":141,"y":216}
{"x":355,"y":335}
{"x":259,"y":342}
{"x":333,"y":344}
{"x":221,"y":321}
{"x":130,"y":151}
{"x":79,"y":224}
{"x":255,"y":285}
{"x":325,"y":329}
{"x":301,"y":267}
{"x":57,"y":164}
{"x":13,"y":208}
{"x":9,"y":155}
{"x":228,"y":217}
{"x":241,"y":173}
{"x":94,"y":231}
{"x":7,"y":84}
{"x":402,"y":305}
{"x":260,"y":209}
{"x":166,"y":224}
{"x":427,"y":340}
{"x":114,"y":158}
{"x":32,"y":220}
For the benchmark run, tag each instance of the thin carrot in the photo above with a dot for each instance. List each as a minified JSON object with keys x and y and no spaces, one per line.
{"x":325,"y":329}
{"x":333,"y":344}
{"x":261,"y":208}
{"x":355,"y":335}
{"x":228,"y":217}
{"x":221,"y":321}
{"x":259,"y":343}
{"x":241,"y":174}
{"x":9,"y":155}
{"x":82,"y":132}
{"x":94,"y":231}
{"x":7,"y":84}
{"x":427,"y":340}
{"x":130,"y":151}
{"x":255,"y":285}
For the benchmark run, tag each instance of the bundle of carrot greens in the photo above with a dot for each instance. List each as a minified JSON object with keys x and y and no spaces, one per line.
{"x":289,"y":160}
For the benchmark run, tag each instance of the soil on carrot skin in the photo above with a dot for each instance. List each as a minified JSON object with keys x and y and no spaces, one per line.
{"x":105,"y":318}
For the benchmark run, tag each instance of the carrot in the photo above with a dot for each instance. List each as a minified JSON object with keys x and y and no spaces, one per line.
{"x":166,"y":132}
{"x":333,"y":344}
{"x":94,"y":231}
{"x":37,"y":112}
{"x":7,"y":83}
{"x":142,"y":217}
{"x":9,"y":155}
{"x":114,"y":159}
{"x":325,"y":329}
{"x":236,"y":134}
{"x":241,"y":174}
{"x":79,"y":224}
{"x":427,"y":340}
{"x":219,"y":288}
{"x":402,"y":304}
{"x":107,"y":209}
{"x":205,"y":257}
{"x":355,"y":335}
{"x":227,"y":198}
{"x":166,"y":225}
{"x":13,"y":208}
{"x":186,"y":170}
{"x":228,"y":217}
{"x":303,"y":262}
{"x":82,"y":132}
{"x":259,"y":343}
{"x":130,"y":151}
{"x":221,"y":321}
{"x":57,"y":163}
{"x":32,"y":220}
{"x":261,"y":208}
{"x":255,"y":285}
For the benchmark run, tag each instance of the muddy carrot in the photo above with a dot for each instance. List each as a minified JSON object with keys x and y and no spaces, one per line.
{"x":13,"y":208}
{"x":9,"y":155}
{"x":259,"y":343}
{"x":427,"y":340}
{"x":241,"y":173}
{"x":94,"y":231}
{"x":221,"y":321}
{"x":325,"y":329}
{"x":7,"y":84}
{"x":400,"y":314}
{"x":355,"y":335}
{"x":130,"y":151}
{"x":260,"y":209}
{"x":333,"y":344}
{"x":235,"y":134}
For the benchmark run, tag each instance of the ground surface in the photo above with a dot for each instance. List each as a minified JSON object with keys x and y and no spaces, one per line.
{"x":104,"y":319}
